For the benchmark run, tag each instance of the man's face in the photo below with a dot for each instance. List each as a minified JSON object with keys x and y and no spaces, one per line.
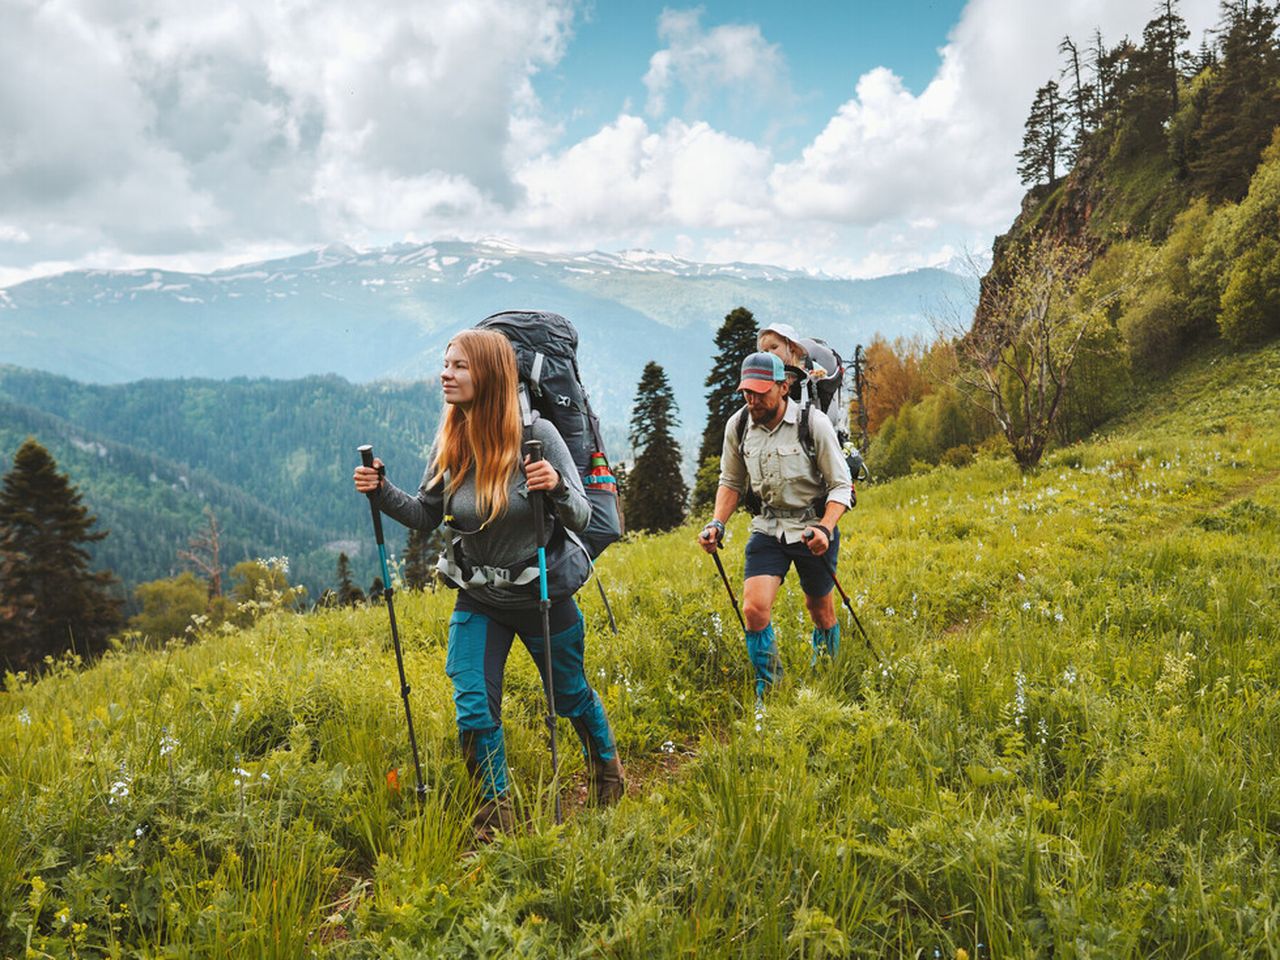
{"x":765,"y":407}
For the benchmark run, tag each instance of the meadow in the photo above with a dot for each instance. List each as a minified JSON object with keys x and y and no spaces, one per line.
{"x":1066,"y":743}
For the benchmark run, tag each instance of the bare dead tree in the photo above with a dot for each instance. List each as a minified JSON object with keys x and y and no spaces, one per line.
{"x":204,"y":554}
{"x":1017,"y":361}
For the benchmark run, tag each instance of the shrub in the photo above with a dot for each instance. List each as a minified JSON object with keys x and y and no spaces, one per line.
{"x":1251,"y":302}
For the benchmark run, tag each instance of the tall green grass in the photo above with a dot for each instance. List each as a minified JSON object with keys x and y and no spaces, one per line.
{"x":1067,"y":746}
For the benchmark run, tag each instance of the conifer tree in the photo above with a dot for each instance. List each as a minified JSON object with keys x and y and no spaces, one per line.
{"x":1042,"y":139}
{"x":656,"y":490}
{"x":50,"y":601}
{"x":735,"y":339}
{"x":1243,"y":107}
{"x":348,"y":593}
{"x":1080,"y":96}
{"x":417,"y":559}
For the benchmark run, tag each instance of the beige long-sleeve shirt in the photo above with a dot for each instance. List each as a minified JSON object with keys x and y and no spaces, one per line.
{"x":781,"y":471}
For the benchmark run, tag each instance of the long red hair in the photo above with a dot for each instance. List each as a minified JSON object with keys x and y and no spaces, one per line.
{"x":487,"y":434}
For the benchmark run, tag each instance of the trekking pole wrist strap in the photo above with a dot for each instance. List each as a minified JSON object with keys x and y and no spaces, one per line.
{"x":717,"y":526}
{"x":825,"y":531}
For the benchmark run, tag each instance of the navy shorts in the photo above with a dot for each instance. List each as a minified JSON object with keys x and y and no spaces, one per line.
{"x":769,"y":556}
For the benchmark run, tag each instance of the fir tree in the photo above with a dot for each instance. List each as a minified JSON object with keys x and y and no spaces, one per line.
{"x":348,"y":593}
{"x":1081,"y":94}
{"x":1042,"y":140}
{"x":1243,"y":105}
{"x":656,"y":490}
{"x":50,"y":601}
{"x":735,"y":339}
{"x":418,"y":559}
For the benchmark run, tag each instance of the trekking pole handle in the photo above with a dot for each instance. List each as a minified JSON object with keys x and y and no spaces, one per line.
{"x":366,"y":458}
{"x":533,"y":450}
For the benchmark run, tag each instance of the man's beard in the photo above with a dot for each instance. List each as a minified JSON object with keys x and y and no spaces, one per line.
{"x":762,"y":414}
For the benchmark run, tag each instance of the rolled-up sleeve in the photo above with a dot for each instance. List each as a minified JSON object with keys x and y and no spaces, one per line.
{"x":830,"y":459}
{"x":733,"y":468}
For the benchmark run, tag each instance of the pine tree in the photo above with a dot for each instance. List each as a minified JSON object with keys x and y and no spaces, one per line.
{"x":50,"y":601}
{"x":1081,"y":95}
{"x":735,"y":339}
{"x":1042,"y":140}
{"x":417,"y":559}
{"x":1162,"y":41}
{"x":1243,"y":106}
{"x":656,"y":490}
{"x":348,"y":593}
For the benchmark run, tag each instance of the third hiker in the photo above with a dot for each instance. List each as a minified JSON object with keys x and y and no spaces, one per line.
{"x":793,"y":462}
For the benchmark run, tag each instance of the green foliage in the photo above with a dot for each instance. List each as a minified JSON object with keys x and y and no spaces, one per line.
{"x":348,"y":593}
{"x":941,"y":425}
{"x":735,"y":340}
{"x":1071,"y":744}
{"x":169,"y":606}
{"x":261,"y":586}
{"x":272,"y":458}
{"x":1251,"y":302}
{"x":50,"y":602}
{"x":656,"y":491}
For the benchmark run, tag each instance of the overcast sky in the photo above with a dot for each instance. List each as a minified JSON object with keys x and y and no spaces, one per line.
{"x":856,"y":138}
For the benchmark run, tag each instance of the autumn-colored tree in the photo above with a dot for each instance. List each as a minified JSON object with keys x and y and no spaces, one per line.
{"x":894,"y":377}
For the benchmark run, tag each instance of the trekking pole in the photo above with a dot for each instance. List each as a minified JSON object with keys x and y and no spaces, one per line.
{"x":613,"y":624}
{"x":533,"y":449}
{"x":806,"y":537}
{"x":366,"y":457}
{"x":732,"y":599}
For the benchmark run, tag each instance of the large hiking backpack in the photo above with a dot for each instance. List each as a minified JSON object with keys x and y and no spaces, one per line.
{"x":546,"y":346}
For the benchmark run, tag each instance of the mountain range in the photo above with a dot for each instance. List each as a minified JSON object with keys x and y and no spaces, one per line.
{"x":387,"y":313}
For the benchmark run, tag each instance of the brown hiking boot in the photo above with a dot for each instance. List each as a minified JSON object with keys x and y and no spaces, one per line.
{"x":608,"y":782}
{"x":493,"y":817}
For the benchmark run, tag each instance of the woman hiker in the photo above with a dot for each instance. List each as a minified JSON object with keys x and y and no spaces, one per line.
{"x":476,"y":483}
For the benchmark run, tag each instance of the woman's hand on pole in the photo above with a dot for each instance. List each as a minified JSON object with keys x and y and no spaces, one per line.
{"x":541,"y":475}
{"x":369,"y":479}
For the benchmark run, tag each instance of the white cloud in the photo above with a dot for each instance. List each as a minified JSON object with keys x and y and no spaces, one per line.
{"x":628,"y":175}
{"x":733,"y":59}
{"x":160,"y":130}
{"x":149,"y":127}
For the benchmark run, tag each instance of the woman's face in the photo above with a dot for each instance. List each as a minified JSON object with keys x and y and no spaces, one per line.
{"x":455,"y":378}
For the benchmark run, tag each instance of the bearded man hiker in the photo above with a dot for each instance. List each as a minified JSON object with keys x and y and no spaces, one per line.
{"x":804,"y":489}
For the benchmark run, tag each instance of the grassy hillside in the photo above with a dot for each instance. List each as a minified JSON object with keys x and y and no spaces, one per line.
{"x":1071,"y":745}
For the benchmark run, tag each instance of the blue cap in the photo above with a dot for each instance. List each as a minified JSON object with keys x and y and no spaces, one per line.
{"x":760,"y":371}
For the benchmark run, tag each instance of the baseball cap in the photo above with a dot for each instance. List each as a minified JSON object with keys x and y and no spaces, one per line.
{"x":760,"y":371}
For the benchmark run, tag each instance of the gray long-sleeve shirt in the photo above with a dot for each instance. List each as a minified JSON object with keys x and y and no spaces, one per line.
{"x":507,"y":541}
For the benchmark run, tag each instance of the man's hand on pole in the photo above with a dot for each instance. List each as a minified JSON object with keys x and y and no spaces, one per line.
{"x":711,"y":536}
{"x":817,"y":538}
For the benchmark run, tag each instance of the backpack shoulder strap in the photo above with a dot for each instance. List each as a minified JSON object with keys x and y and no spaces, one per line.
{"x":526,"y":411}
{"x":740,"y":424}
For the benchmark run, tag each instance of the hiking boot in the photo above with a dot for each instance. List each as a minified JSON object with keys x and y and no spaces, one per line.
{"x":608,"y":782}
{"x":493,"y":817}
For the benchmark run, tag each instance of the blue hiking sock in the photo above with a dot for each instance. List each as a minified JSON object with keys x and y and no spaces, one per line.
{"x":826,"y":641}
{"x":763,"y":653}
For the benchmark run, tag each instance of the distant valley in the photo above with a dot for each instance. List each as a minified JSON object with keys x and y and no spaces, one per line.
{"x":386,"y":314}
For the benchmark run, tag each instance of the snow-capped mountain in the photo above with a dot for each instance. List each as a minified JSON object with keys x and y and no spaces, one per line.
{"x":386,"y":313}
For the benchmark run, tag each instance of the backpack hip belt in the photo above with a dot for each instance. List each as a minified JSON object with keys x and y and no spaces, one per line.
{"x":800,"y":513}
